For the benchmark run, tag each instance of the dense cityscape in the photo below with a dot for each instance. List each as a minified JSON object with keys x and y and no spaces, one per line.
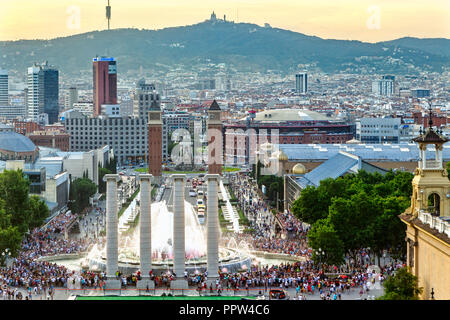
{"x":207,"y":179}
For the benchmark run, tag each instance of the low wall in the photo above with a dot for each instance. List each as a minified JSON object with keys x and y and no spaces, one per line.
{"x":63,"y":256}
{"x":280,"y":256}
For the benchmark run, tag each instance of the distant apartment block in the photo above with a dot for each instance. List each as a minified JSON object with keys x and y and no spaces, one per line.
{"x":378,"y":130}
{"x":384,"y":87}
{"x":128,"y":137}
{"x":4,"y":88}
{"x":420,"y":93}
{"x":301,"y":82}
{"x":145,"y":98}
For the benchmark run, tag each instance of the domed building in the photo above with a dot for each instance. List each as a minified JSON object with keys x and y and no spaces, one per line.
{"x":299,"y":169}
{"x":14,"y":146}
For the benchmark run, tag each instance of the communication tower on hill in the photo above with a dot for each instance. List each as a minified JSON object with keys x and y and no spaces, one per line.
{"x":108,"y":13}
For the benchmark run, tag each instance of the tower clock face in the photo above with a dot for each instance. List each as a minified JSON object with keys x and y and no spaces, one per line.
{"x":213,"y":116}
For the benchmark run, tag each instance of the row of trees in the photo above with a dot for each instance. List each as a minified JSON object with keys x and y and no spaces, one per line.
{"x":19,"y":212}
{"x":274,"y":186}
{"x":81,"y":189}
{"x":356,"y":211}
{"x":109,"y":168}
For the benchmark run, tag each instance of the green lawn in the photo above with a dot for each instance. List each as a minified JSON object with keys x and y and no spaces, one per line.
{"x":160,"y":298}
{"x":127,"y":204}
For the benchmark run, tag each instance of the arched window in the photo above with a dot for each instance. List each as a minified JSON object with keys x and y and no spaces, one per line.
{"x":434,"y":202}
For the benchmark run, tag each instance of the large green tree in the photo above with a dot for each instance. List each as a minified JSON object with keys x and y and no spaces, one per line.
{"x":38,"y":211}
{"x":81,"y":190}
{"x":323,"y":236}
{"x":102,"y":184}
{"x":352,"y":218}
{"x":10,"y":236}
{"x":274,"y":186}
{"x":361,"y":208}
{"x":19,"y":212}
{"x":403,"y":285}
{"x":14,"y":190}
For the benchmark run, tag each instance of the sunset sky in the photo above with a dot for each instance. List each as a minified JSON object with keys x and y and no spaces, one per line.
{"x":365,"y":20}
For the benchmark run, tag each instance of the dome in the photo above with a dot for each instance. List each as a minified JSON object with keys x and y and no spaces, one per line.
{"x":15,"y":142}
{"x":299,"y":169}
{"x":280,"y":155}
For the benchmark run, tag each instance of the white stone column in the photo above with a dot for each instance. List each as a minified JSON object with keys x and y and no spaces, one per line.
{"x":212,"y":237}
{"x":178,"y":232}
{"x":112,"y":240}
{"x":145,"y":233}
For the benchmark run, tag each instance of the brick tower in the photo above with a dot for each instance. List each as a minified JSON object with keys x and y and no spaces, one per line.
{"x":155,"y":143}
{"x":215,"y":140}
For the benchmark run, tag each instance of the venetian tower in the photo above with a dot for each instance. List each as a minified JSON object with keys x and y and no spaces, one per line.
{"x":215,"y":139}
{"x":155,"y":143}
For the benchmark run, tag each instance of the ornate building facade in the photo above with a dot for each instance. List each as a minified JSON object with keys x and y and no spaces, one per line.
{"x":428,"y":219}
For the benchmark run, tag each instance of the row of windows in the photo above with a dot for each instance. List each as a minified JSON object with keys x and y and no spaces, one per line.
{"x":379,"y":126}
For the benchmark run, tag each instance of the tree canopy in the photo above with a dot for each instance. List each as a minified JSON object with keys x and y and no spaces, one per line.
{"x":81,"y":190}
{"x":102,"y":184}
{"x":361,"y":209}
{"x":19,"y":212}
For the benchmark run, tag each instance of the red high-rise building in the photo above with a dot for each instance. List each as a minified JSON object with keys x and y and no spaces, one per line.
{"x":105,"y":83}
{"x":215,"y":139}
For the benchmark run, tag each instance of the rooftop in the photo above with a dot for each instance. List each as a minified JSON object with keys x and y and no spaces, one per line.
{"x":15,"y":142}
{"x":371,"y":152}
{"x":292,"y":115}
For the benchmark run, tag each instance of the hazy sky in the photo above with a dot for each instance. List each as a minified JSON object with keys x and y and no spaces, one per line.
{"x":365,"y":20}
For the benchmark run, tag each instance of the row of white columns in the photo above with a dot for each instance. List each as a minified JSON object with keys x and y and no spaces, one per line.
{"x":145,"y":231}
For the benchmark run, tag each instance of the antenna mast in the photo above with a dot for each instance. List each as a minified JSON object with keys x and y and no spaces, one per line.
{"x":108,"y":13}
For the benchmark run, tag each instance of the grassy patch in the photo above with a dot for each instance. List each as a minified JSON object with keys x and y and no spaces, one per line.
{"x":230,"y":169}
{"x":128,"y":202}
{"x":242,"y":218}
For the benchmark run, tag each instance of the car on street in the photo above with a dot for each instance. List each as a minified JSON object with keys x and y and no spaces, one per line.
{"x":192,"y":193}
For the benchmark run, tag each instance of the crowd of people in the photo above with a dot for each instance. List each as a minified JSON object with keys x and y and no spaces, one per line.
{"x":292,"y":236}
{"x":253,"y":206}
{"x":59,"y":223}
{"x":305,"y":277}
{"x":37,"y":276}
{"x":29,"y":276}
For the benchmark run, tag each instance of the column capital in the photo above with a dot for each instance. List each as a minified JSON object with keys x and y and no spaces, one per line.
{"x":211,"y":176}
{"x":109,"y":177}
{"x":179,"y":177}
{"x":144,"y":177}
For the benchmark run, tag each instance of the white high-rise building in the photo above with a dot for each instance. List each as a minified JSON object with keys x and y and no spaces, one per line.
{"x":144,"y":99}
{"x":71,"y":97}
{"x":3,"y":88}
{"x":301,"y":82}
{"x":35,"y":96}
{"x":384,"y":87}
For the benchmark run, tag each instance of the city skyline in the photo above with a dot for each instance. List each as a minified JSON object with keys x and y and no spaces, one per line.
{"x":364,"y":20}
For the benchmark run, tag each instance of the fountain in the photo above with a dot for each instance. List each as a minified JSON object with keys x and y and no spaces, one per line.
{"x":162,"y":249}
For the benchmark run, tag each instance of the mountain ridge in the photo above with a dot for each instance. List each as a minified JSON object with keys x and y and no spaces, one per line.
{"x":244,"y":46}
